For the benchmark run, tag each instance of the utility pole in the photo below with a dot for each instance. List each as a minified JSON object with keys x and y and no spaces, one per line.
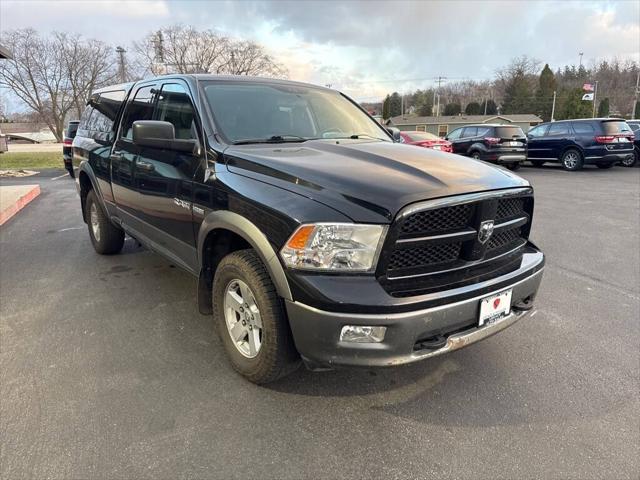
{"x":580,"y":55}
{"x":553,"y":106}
{"x":123,"y":75}
{"x":595,"y":95}
{"x":440,"y":80}
{"x":402,"y":105}
{"x":635,"y":96}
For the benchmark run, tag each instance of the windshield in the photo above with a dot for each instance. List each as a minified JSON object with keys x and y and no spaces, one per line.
{"x":616,"y":127}
{"x":421,"y":136}
{"x":254,"y":112}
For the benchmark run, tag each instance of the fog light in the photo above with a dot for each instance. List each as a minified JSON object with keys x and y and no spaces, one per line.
{"x":362,"y":334}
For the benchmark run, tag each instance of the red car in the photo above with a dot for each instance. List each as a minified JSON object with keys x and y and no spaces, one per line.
{"x":427,"y":140}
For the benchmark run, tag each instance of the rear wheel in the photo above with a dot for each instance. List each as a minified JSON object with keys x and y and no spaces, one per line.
{"x":250,"y":319}
{"x":604,"y":165}
{"x":475,"y":155}
{"x":632,"y":160}
{"x":572,"y":160}
{"x":106,"y":238}
{"x":537,"y":163}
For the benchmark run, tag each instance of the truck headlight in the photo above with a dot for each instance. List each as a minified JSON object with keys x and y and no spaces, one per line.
{"x":334,"y":246}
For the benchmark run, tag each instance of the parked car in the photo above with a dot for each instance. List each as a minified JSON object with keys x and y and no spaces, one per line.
{"x":426,"y":139}
{"x":314,"y":235}
{"x":574,"y":143}
{"x":635,"y":126}
{"x":67,"y":142}
{"x":502,"y":144}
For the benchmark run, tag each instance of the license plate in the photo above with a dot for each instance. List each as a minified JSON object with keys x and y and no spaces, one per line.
{"x":437,"y":147}
{"x":495,"y":307}
{"x":515,"y":144}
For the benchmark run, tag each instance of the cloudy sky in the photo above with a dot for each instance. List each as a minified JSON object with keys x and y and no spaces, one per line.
{"x":367,"y":48}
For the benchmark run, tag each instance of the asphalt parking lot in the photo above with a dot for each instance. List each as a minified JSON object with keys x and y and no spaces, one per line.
{"x":109,"y":371}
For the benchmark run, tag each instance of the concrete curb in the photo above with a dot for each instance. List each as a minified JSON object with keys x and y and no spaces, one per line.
{"x":17,"y":201}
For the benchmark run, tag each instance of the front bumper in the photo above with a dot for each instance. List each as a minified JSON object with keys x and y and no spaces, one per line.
{"x":409,"y":336}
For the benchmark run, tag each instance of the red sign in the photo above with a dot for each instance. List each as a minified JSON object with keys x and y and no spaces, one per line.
{"x":587,"y":87}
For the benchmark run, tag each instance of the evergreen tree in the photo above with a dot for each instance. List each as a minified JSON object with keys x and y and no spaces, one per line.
{"x":473,"y":108}
{"x":491,"y":107}
{"x":425,"y":109}
{"x":544,"y":95}
{"x":385,"y":107}
{"x":517,"y":94}
{"x":451,"y":109}
{"x":573,"y":106}
{"x":395,"y":105}
{"x":603,"y":107}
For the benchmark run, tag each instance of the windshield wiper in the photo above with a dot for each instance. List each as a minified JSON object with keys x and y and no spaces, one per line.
{"x":272,"y":139}
{"x":356,"y":136}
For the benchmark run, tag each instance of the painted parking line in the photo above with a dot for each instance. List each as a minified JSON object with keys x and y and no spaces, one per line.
{"x":63,"y":175}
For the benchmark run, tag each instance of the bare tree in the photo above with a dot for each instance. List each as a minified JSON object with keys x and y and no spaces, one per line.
{"x":183,"y":49}
{"x":53,"y":76}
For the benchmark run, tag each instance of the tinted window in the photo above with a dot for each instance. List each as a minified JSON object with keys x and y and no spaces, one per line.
{"x":470,"y":132}
{"x":634,"y":126}
{"x":583,"y":128}
{"x":455,"y":134}
{"x":483,"y":131}
{"x":174,"y":106}
{"x":105,"y":110}
{"x":616,"y":127}
{"x":509,"y":132}
{"x":246,"y":110}
{"x":72,"y":128}
{"x":538,"y":131}
{"x":84,"y":118}
{"x":141,"y":108}
{"x":558,"y":129}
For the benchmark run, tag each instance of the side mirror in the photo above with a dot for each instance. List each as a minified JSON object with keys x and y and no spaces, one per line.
{"x":395,"y":133}
{"x":161,"y":135}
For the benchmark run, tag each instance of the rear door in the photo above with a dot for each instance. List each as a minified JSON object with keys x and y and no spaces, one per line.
{"x":467,"y":138}
{"x":124,"y":154}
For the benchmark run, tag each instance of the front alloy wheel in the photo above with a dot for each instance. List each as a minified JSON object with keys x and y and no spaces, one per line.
{"x":242,"y":317}
{"x":572,"y":160}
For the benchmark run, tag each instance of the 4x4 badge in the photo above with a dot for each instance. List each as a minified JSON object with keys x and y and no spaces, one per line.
{"x":485,"y":231}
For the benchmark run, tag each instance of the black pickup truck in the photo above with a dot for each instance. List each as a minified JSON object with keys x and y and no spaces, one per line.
{"x":313,"y":233}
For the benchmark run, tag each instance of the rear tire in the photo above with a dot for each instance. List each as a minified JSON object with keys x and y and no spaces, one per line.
{"x":604,"y":166}
{"x":537,"y":163}
{"x":572,"y":160}
{"x":106,"y":238}
{"x":514,"y":166}
{"x":475,"y":155}
{"x":633,"y":160}
{"x":247,"y":308}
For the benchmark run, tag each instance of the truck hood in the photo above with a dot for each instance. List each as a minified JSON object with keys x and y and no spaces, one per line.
{"x":367,"y":181}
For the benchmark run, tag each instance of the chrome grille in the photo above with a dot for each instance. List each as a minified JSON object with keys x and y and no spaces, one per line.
{"x":437,"y":242}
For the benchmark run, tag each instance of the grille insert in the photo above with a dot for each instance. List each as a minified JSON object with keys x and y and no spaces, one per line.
{"x":438,"y":220}
{"x":424,"y":256}
{"x":509,"y":208}
{"x":501,"y":239}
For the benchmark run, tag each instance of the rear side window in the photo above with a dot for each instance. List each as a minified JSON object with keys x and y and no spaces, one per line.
{"x":583,"y":128}
{"x":99,"y":115}
{"x":616,"y":127}
{"x":509,"y":132}
{"x":558,"y":129}
{"x":141,"y":108}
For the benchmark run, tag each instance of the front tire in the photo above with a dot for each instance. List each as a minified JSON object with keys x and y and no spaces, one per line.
{"x":106,"y":238}
{"x":475,"y":155}
{"x":572,"y":160}
{"x":250,"y":319}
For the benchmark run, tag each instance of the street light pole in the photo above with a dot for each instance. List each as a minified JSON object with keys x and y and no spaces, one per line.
{"x":121,"y":51}
{"x":553,"y":106}
{"x":635,"y":96}
{"x":595,"y":95}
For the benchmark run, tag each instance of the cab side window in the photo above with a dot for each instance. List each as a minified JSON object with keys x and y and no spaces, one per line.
{"x":141,"y":108}
{"x":174,"y":106}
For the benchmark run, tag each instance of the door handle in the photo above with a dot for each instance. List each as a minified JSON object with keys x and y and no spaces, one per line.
{"x":145,"y":166}
{"x":117,"y":156}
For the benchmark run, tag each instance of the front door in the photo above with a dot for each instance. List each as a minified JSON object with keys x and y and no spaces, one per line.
{"x":535,"y":142}
{"x":164,"y":178}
